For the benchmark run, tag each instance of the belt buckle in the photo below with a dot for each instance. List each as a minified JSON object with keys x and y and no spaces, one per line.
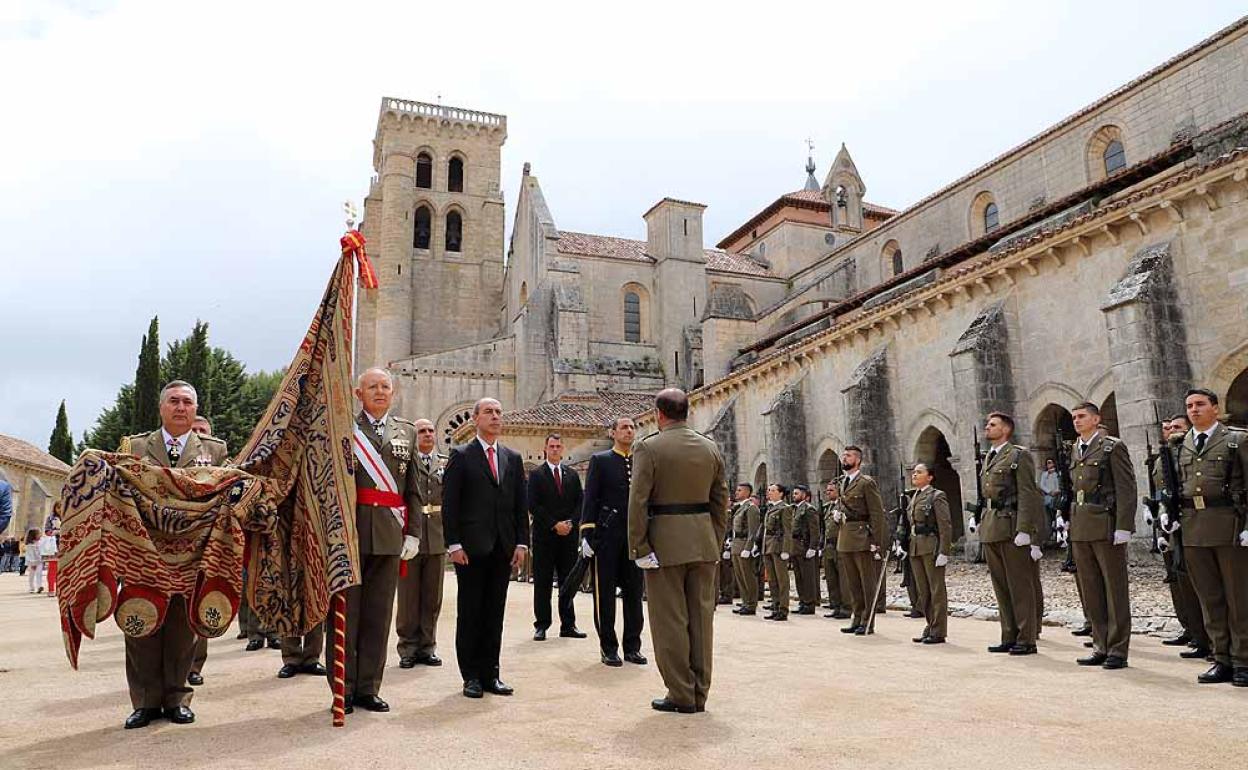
{"x":1198,"y":502}
{"x":988,"y":506}
{"x":1079,"y":497}
{"x":426,"y":509}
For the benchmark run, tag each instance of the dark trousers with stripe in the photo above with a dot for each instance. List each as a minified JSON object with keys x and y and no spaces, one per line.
{"x":613,"y":569}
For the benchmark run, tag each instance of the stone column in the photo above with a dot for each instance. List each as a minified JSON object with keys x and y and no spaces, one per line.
{"x":786,"y":436}
{"x":872,"y":424}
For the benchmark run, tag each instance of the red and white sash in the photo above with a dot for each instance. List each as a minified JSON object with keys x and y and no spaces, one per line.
{"x":387,"y":492}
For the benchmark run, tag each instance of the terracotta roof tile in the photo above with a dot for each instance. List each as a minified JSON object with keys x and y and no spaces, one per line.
{"x":587,"y":244}
{"x":28,"y":454}
{"x":806,"y":199}
{"x":581,"y":409}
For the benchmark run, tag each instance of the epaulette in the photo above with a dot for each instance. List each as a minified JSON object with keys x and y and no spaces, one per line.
{"x":1110,"y":442}
{"x":213,"y":439}
{"x":403,"y":420}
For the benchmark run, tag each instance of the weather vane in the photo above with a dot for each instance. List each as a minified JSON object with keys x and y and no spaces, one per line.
{"x":348,"y":208}
{"x":810,"y":145}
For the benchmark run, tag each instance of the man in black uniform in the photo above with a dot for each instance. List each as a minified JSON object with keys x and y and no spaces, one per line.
{"x":604,"y":536}
{"x":555,"y":504}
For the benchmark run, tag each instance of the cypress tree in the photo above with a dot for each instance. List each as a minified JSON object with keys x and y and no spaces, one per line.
{"x":61,"y":444}
{"x":146,"y":410}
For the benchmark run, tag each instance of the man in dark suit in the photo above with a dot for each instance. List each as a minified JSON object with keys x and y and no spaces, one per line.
{"x":555,"y":505}
{"x":486,"y":526}
{"x":604,"y":528}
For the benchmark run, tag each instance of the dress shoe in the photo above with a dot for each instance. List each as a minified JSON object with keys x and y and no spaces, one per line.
{"x":496,"y":687}
{"x":371,"y":703}
{"x":1023,"y":649}
{"x":700,"y":709}
{"x":915,"y":614}
{"x":1095,"y":659}
{"x":1085,"y":631}
{"x":315,"y":669}
{"x":919,"y":639}
{"x":723,"y":600}
{"x":745,"y":611}
{"x":407,"y":661}
{"x":275,"y":643}
{"x":635,"y":657}
{"x":934,"y":640}
{"x":194,"y":679}
{"x":1003,"y":647}
{"x":348,"y":705}
{"x":472,"y":689}
{"x":1195,"y":654}
{"x":841,"y":614}
{"x":1114,"y":662}
{"x":180,"y":715}
{"x":1178,"y":641}
{"x":539,"y":635}
{"x":779,"y":617}
{"x":287,"y":671}
{"x":1088,"y":644}
{"x":575,"y":633}
{"x":1217,"y":673}
{"x":1240,"y":677}
{"x":142,"y":718}
{"x":241,"y":635}
{"x":861,"y":631}
{"x":771,"y":615}
{"x":428,"y":660}
{"x":848,"y":629}
{"x":611,"y":659}
{"x":663,"y":704}
{"x":254,"y":645}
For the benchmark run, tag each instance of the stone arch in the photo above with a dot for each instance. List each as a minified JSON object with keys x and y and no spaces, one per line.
{"x":932,"y":449}
{"x":634,"y":314}
{"x":892,"y":261}
{"x":423,"y":174}
{"x":422,"y":225}
{"x":456,"y":165}
{"x":1106,"y":153}
{"x":1099,"y":390}
{"x":984,"y":212}
{"x":455,"y":228}
{"x":1109,"y":414}
{"x":828,"y":468}
{"x":930,"y":418}
{"x":451,"y":419}
{"x":1052,"y":419}
{"x":1224,"y":374}
{"x":1043,"y":396}
{"x":760,"y":481}
{"x":1235,"y":405}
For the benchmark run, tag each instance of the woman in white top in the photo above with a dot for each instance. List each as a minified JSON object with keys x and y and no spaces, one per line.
{"x":34,"y":561}
{"x":47,"y":554}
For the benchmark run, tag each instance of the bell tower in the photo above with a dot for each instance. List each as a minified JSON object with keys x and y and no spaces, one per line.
{"x":433,"y":220}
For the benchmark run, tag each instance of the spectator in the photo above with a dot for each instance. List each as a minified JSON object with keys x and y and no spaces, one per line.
{"x":47,"y":555}
{"x":21,"y":557}
{"x":1050,"y":487}
{"x":34,"y":561}
{"x":8,"y":555}
{"x":6,"y":504}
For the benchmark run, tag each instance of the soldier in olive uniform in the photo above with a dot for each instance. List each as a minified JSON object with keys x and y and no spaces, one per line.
{"x":385,"y":538}
{"x":833,"y":572}
{"x":1212,"y":462}
{"x":806,"y":541}
{"x":1183,"y":596}
{"x":777,"y":547}
{"x":157,"y":666}
{"x":744,"y":528}
{"x":677,"y":517}
{"x":420,"y":590}
{"x":931,"y":538}
{"x":861,"y":540}
{"x":1102,"y":518}
{"x":1008,"y":531}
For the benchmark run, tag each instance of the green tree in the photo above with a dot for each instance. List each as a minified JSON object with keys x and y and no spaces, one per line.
{"x":113,"y":423}
{"x":61,"y":444}
{"x":145,"y":413}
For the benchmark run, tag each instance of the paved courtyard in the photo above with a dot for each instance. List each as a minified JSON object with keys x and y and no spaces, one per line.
{"x":797,"y":694}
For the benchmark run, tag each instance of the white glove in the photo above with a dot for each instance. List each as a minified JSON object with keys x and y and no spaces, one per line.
{"x":971,"y":526}
{"x":821,"y":552}
{"x":1036,"y":553}
{"x":837,"y":516}
{"x":1060,"y":522}
{"x":784,"y":556}
{"x":747,"y":553}
{"x":875,"y":554}
{"x":1148,"y":517}
{"x":1165,"y":521}
{"x":810,"y":553}
{"x":1163,"y":543}
{"x":1022,"y":539}
{"x":874,"y":548}
{"x":727,"y":555}
{"x":898,"y":551}
{"x":1243,"y":538}
{"x":942,"y":560}
{"x":1062,"y":538}
{"x":649,"y":561}
{"x":411,"y":547}
{"x":587,"y":550}
{"x":1121,"y":537}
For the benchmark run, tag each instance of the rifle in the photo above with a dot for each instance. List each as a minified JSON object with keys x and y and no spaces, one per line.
{"x":572,"y":583}
{"x":1152,"y":503}
{"x":901,"y":534}
{"x":976,"y":509}
{"x":1065,"y":499}
{"x":1170,"y":501}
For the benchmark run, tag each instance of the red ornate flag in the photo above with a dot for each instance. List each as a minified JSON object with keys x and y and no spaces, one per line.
{"x":353,"y":245}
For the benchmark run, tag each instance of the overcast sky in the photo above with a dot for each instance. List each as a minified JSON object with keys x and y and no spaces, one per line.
{"x":190,"y":160}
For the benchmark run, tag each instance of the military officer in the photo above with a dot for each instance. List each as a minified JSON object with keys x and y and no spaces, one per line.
{"x":1102,"y":518}
{"x":725,"y":582}
{"x":202,"y":427}
{"x":1212,"y":462}
{"x":157,"y":666}
{"x":386,"y":530}
{"x":931,"y":538}
{"x":1183,"y":596}
{"x":833,"y":572}
{"x":777,"y":550}
{"x":420,"y":590}
{"x":861,"y":541}
{"x":604,"y":538}
{"x":744,"y":529}
{"x":1008,"y":531}
{"x":806,"y":558}
{"x":677,"y":517}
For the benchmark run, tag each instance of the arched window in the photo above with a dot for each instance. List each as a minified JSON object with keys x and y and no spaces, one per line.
{"x":891,"y":261}
{"x":424,"y":171}
{"x":898,"y":264}
{"x":632,"y":317}
{"x":454,"y":231}
{"x":991,"y":218}
{"x":1115,"y":157}
{"x":424,"y":227}
{"x":455,"y":175}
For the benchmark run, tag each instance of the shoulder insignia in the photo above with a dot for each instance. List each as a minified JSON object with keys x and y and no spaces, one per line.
{"x":403,"y":420}
{"x":212,"y":439}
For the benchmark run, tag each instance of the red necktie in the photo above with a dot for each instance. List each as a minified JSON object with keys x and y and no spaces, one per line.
{"x":558,"y":480}
{"x":489,"y":451}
